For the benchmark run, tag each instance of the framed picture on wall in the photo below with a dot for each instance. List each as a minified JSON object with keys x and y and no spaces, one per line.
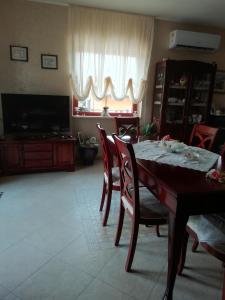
{"x":18,"y":53}
{"x":219,"y":86}
{"x":49,"y":61}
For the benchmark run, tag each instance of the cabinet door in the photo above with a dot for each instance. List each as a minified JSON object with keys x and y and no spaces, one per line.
{"x":199,"y":101}
{"x":159,"y":90}
{"x":175,"y":100}
{"x":64,"y":154}
{"x":13,"y":156}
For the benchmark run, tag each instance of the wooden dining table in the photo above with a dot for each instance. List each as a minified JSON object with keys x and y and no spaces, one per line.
{"x":184,"y":192}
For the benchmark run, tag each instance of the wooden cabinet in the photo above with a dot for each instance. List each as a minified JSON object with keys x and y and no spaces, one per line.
{"x":37,"y":155}
{"x":182,"y":96}
{"x":63,"y":154}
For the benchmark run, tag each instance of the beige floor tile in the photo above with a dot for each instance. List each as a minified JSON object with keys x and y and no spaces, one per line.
{"x":11,"y":296}
{"x":55,"y":280}
{"x":18,"y":262}
{"x":86,"y":255}
{"x":53,"y":237}
{"x":3,"y":292}
{"x":100,"y":291}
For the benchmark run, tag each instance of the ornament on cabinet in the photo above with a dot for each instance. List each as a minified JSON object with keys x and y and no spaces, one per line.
{"x":183,"y":80}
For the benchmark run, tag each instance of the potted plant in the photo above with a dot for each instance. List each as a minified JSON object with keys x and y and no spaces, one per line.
{"x":88,"y":149}
{"x":149,"y":131}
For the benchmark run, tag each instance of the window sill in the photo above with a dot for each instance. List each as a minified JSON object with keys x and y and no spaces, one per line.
{"x":91,"y":117}
{"x":98,"y":115}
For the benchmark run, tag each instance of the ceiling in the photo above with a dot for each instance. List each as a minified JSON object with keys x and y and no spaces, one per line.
{"x":202,"y":12}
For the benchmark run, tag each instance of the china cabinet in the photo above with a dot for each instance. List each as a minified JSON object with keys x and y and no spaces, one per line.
{"x":182,"y":96}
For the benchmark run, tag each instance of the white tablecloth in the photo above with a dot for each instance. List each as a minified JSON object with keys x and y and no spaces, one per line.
{"x":153,"y":150}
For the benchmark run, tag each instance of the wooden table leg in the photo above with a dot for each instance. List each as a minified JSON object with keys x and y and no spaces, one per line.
{"x":177,"y":224}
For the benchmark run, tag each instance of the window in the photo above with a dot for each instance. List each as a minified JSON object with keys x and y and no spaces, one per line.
{"x":110,"y":55}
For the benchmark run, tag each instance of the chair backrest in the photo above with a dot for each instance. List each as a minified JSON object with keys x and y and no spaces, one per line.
{"x":128,"y":176}
{"x":203,"y":136}
{"x":128,"y":126}
{"x":106,"y":154}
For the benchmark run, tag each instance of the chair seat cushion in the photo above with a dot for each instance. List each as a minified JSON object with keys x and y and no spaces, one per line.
{"x":218,"y":220}
{"x":207,"y":232}
{"x":150,"y":207}
{"x":116,"y":175}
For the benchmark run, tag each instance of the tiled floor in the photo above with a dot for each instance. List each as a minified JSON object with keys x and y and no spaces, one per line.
{"x":52,"y":246}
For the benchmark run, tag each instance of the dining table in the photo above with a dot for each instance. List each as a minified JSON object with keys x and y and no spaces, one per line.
{"x":178,"y":180}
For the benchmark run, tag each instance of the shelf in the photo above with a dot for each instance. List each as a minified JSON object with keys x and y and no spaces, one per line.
{"x":199,"y":104}
{"x":157,"y":102}
{"x":174,"y":122}
{"x":177,"y":87}
{"x":176,"y":104}
{"x":201,"y":89}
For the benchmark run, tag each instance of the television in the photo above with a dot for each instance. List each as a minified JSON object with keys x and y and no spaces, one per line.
{"x":35,"y":115}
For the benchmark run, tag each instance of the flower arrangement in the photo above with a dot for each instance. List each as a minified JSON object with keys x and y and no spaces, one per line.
{"x":216,"y":175}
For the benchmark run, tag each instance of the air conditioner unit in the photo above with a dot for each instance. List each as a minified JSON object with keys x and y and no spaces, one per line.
{"x":194,"y":40}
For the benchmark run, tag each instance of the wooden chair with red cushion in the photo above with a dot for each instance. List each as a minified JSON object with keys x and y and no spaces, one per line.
{"x":210,"y":231}
{"x":111,"y":176}
{"x":203,"y":136}
{"x":140,"y":204}
{"x":128,"y":126}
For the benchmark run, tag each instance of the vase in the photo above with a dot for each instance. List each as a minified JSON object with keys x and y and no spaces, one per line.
{"x":105,"y":112}
{"x":88,"y":154}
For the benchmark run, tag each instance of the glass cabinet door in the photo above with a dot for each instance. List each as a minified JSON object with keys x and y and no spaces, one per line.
{"x":159,"y":89}
{"x":199,"y":98}
{"x":177,"y":97}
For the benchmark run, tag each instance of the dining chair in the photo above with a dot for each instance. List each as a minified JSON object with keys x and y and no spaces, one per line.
{"x":194,"y":236}
{"x":111,"y":175}
{"x":140,"y":204}
{"x":203,"y":136}
{"x":210,"y":230}
{"x":128,"y":126}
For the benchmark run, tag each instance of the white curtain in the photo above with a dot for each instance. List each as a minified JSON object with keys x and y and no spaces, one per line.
{"x":110,"y":53}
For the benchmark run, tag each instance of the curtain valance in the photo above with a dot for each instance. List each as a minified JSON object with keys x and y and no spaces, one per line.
{"x":109,"y":53}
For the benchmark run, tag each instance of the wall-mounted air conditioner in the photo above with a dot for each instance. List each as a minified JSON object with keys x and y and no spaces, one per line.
{"x":194,"y":40}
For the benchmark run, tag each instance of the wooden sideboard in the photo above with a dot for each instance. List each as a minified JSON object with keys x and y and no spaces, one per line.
{"x":22,"y":156}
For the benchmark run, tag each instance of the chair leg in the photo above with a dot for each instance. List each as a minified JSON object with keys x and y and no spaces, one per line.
{"x":108,"y":204}
{"x":195,"y":245}
{"x":132,"y":246}
{"x":157,"y":230}
{"x":103,"y":195}
{"x":120,"y":225}
{"x":183,"y":253}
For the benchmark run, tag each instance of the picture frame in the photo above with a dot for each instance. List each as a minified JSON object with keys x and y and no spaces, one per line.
{"x":18,"y":53}
{"x":49,"y":61}
{"x":219,"y":86}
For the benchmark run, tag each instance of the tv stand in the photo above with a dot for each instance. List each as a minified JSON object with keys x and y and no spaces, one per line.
{"x":32,"y":155}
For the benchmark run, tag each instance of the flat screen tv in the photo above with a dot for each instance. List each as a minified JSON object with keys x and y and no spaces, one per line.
{"x":27,"y":115}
